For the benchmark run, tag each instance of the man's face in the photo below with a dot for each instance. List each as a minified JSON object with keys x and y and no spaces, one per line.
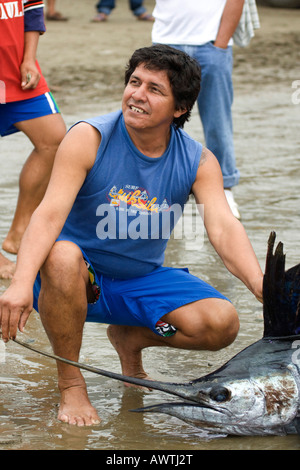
{"x":148,"y":101}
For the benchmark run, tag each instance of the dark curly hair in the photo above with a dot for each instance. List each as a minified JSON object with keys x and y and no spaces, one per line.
{"x":184,"y":74}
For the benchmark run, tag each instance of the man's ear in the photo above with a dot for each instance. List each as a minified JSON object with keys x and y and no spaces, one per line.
{"x":179,"y":112}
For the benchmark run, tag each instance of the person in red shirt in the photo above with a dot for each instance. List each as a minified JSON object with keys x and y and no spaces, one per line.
{"x":26,"y":105}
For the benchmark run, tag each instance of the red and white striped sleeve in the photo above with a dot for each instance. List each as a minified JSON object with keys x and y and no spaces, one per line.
{"x":32,"y":4}
{"x":34,"y":16}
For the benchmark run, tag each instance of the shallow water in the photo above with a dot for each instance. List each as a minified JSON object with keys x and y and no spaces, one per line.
{"x":268,"y":148}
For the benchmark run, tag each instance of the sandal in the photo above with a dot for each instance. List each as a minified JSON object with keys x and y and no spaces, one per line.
{"x":99,"y":18}
{"x":56,"y":17}
{"x":145,"y":17}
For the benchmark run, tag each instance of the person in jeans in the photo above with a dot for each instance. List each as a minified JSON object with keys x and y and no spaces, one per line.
{"x":204,"y":30}
{"x":104,"y":8}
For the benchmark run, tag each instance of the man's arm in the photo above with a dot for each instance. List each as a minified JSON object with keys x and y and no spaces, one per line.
{"x":34,"y":26}
{"x":229,"y":21}
{"x":225,"y":232}
{"x":74,"y":158}
{"x":30,"y":75}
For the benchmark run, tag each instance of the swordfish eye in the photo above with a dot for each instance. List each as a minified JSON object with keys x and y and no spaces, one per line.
{"x":220,"y":394}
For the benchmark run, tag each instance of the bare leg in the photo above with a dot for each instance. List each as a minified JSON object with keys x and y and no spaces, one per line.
{"x":63,"y":307}
{"x":51,"y":12}
{"x":50,"y":7}
{"x":45,"y":133}
{"x":209,"y":324}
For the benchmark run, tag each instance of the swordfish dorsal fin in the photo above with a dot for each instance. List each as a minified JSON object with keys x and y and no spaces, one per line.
{"x":281,"y":294}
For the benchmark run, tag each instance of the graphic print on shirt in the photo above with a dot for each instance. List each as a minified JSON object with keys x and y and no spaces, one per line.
{"x":136,"y":198}
{"x":10,"y":10}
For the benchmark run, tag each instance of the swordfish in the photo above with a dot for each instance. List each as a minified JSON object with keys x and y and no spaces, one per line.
{"x":257,"y":392}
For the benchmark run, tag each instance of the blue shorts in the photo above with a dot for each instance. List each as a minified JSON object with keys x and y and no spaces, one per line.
{"x":17,"y":111}
{"x":142,"y":301}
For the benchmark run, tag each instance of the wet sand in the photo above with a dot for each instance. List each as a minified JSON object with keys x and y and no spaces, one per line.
{"x":84,"y":63}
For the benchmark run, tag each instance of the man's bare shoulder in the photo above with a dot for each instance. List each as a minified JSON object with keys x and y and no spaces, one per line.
{"x":83,"y":129}
{"x":208,"y":172}
{"x":79,"y":146}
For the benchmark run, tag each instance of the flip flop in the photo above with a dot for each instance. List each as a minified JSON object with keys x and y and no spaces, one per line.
{"x":99,"y":18}
{"x":145,"y":17}
{"x":56,"y":17}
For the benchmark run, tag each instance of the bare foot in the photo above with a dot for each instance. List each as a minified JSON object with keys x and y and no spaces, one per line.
{"x":75,"y":407}
{"x":11,"y":244}
{"x":122,"y":339}
{"x":7,"y":267}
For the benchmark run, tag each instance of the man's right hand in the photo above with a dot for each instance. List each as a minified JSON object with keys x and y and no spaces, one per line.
{"x":16,"y":304}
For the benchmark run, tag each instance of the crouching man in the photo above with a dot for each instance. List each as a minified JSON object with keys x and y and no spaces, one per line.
{"x":135,"y":160}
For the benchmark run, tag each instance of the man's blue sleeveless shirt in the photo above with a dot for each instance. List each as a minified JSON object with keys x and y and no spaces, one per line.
{"x":125,"y":211}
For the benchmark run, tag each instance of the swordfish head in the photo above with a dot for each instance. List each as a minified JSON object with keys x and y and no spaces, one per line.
{"x":257,"y":392}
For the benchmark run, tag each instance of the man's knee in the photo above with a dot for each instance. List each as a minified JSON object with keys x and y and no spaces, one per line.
{"x":224,"y":327}
{"x":54,"y":138}
{"x":63,"y":263}
{"x":210,"y":324}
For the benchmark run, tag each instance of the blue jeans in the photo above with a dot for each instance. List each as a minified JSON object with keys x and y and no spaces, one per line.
{"x":214,"y":104}
{"x":105,"y":6}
